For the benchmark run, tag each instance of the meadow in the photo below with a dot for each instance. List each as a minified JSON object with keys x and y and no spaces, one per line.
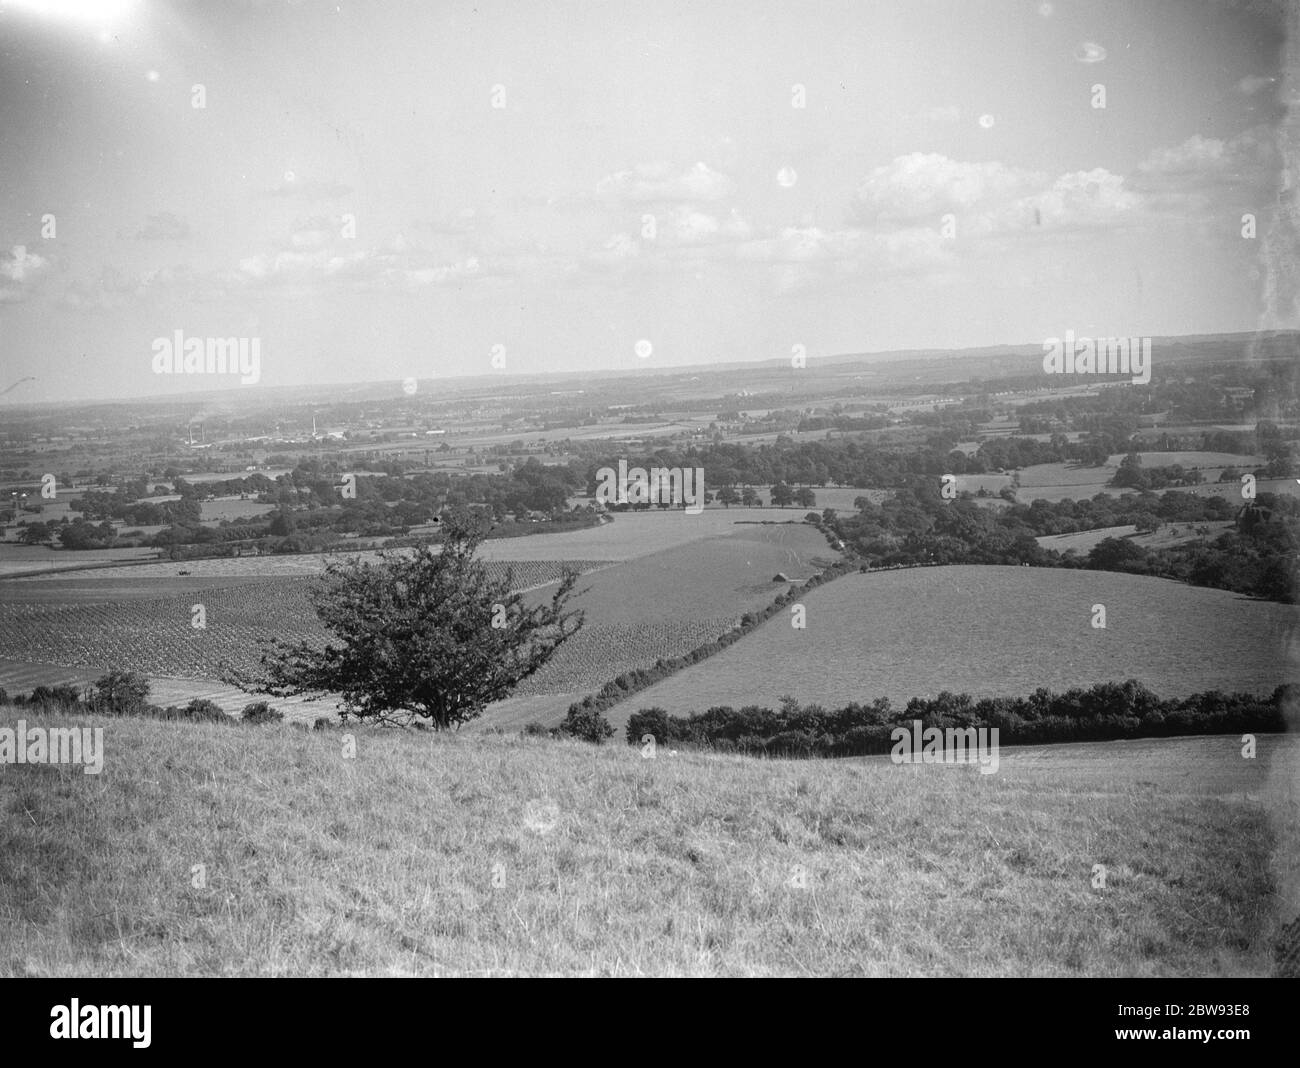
{"x":989,"y":631}
{"x":1166,"y":537}
{"x":1067,"y":481}
{"x":223,"y":850}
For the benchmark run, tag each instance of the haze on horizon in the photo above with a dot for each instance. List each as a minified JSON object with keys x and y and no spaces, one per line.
{"x":382,"y":190}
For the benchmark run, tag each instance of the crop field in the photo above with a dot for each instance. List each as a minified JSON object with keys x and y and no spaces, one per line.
{"x":625,"y":537}
{"x":139,"y":618}
{"x":991,"y":631}
{"x":145,"y":625}
{"x":665,"y":605}
{"x":617,"y":865}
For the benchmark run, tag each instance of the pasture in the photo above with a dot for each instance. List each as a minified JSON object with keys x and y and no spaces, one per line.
{"x":473,"y":855}
{"x":1166,"y":537}
{"x":991,"y":631}
{"x":233,"y":508}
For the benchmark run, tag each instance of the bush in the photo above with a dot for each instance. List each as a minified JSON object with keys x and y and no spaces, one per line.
{"x":201,"y":710}
{"x":587,"y":724}
{"x":323,"y":723}
{"x":260,"y":712}
{"x":539,"y":730}
{"x":651,"y":721}
{"x":120,"y":693}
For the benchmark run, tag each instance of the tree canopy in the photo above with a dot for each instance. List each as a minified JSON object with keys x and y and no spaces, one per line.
{"x":428,"y":633}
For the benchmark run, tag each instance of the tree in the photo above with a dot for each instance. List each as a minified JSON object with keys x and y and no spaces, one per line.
{"x":804,"y":497}
{"x":429,"y":634}
{"x":782,"y":497}
{"x":35,"y":534}
{"x":728,"y":496}
{"x":119,"y":693}
{"x":1146,"y":523}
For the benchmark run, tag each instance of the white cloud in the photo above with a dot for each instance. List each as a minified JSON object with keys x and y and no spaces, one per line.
{"x":928,"y":185}
{"x":661,"y":182}
{"x":20,"y":272}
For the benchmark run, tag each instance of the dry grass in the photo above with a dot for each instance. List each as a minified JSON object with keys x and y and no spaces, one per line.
{"x":607,"y":863}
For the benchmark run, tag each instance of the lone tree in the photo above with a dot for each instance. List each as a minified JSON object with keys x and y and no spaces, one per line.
{"x":428,"y":633}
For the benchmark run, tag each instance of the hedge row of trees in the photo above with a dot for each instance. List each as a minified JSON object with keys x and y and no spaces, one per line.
{"x":125,"y":693}
{"x":916,"y":525}
{"x":1103,"y":712}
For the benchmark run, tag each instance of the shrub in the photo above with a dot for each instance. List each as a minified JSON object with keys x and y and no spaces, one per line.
{"x":201,"y":710}
{"x":535,"y":729}
{"x":120,"y":693}
{"x":652,"y":721}
{"x":260,"y":712}
{"x":587,"y":724}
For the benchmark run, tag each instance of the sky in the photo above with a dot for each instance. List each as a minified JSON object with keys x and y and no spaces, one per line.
{"x":384,"y":190}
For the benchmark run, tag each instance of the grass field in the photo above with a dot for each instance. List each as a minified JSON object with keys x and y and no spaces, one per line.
{"x":1059,"y":482}
{"x":990,"y":631}
{"x":18,"y":559}
{"x":662,"y":606}
{"x":234,"y":509}
{"x":1167,"y":536}
{"x":268,"y":851}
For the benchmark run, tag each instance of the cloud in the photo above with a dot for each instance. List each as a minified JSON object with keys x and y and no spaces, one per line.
{"x":927,"y":185}
{"x":163,"y":227}
{"x":661,"y":182}
{"x":1248,"y":157}
{"x":115,"y":289}
{"x":20,"y":272}
{"x":315,"y":232}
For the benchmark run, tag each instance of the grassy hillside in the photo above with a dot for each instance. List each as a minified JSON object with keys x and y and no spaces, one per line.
{"x":989,"y":631}
{"x":607,"y":863}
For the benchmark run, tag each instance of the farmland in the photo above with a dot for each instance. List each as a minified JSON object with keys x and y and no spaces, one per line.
{"x":1169,"y":535}
{"x":990,"y":631}
{"x":1062,"y":481}
{"x":615,"y":865}
{"x":145,"y":624}
{"x":639,"y":611}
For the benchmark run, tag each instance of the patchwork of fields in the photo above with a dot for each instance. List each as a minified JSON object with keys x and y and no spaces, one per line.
{"x":991,"y":631}
{"x":652,"y":605}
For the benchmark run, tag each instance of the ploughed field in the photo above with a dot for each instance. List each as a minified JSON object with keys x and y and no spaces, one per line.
{"x":990,"y":631}
{"x":658,"y":605}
